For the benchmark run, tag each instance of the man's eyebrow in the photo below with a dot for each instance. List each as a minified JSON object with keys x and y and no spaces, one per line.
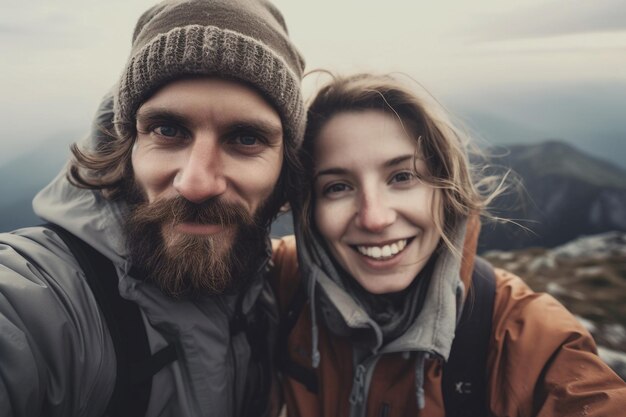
{"x":263,"y":127}
{"x":151,"y":115}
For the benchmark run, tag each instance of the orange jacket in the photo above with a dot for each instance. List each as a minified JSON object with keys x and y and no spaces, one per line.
{"x":541,"y":361}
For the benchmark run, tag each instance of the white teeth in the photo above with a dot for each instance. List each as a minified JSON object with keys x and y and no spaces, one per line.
{"x":394,"y":248}
{"x":378,"y":252}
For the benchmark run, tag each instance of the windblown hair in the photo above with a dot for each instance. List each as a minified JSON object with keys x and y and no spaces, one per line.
{"x":443,"y":146}
{"x":105,"y":164}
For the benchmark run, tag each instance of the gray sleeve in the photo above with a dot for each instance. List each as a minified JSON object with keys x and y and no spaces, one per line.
{"x":56,"y":355}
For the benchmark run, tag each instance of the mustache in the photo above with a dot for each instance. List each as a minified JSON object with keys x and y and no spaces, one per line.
{"x":180,"y":210}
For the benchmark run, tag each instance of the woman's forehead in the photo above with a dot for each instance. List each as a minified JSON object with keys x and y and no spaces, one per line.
{"x":368,"y":136}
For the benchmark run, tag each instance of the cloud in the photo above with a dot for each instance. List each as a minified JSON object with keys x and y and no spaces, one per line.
{"x":559,"y":17}
{"x":582,"y":43}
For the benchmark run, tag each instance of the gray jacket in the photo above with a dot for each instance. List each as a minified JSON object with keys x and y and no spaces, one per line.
{"x":56,"y":354}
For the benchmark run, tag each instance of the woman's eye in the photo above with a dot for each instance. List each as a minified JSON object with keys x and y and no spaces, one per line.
{"x":335,"y":188}
{"x":402,"y":177}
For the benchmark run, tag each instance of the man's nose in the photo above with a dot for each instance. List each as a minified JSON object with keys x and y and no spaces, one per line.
{"x":201,"y":176}
{"x":374,"y":213}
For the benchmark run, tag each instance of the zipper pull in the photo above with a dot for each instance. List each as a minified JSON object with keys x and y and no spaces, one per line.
{"x":358,"y":385}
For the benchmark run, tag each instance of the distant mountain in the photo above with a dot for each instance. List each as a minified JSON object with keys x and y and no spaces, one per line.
{"x":588,"y":115}
{"x":566,"y":194}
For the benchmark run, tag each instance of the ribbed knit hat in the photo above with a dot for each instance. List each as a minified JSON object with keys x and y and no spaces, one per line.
{"x":245,"y":40}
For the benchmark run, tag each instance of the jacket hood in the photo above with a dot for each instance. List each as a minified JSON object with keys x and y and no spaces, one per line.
{"x":86,"y":214}
{"x":432,"y":330}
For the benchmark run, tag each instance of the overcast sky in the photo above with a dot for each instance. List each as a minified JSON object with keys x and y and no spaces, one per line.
{"x":59,"y":57}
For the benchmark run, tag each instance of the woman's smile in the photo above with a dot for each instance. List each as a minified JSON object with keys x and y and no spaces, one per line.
{"x":382,"y":251}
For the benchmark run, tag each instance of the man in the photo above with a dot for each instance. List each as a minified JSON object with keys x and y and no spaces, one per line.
{"x":178,"y":195}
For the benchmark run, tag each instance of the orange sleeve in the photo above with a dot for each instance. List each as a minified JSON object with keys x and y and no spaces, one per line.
{"x":284,"y":275}
{"x":543,"y":362}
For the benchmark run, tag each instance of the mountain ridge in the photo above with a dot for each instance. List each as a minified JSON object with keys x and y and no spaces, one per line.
{"x":565,"y":193}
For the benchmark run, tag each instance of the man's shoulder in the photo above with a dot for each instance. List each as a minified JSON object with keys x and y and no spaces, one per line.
{"x":51,"y":325}
{"x":38,"y":248}
{"x":37,"y":269}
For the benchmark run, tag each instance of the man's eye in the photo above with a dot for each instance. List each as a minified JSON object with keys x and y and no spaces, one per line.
{"x":247,"y":140}
{"x":167,"y":131}
{"x":248,"y":144}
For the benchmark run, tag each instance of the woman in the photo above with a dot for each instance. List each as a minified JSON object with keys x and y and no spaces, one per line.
{"x":387,"y":226}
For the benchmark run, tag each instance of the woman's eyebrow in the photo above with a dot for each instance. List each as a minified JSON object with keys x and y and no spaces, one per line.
{"x":387,"y":164}
{"x":398,"y":160}
{"x":330,"y":171}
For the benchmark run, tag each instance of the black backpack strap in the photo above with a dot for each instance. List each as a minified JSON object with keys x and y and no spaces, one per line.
{"x":285,"y":364}
{"x":259,"y":327}
{"x":135,"y":364}
{"x":464,"y":383}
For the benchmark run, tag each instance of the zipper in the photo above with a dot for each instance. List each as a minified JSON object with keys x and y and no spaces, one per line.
{"x":234,"y":389}
{"x":384,"y":410}
{"x":360,"y":386}
{"x":361,"y":382}
{"x":232,"y":356}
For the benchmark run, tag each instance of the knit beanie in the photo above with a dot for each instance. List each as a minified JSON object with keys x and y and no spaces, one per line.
{"x":244,"y":40}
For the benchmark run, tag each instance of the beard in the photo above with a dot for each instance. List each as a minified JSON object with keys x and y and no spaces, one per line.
{"x":188,"y":265}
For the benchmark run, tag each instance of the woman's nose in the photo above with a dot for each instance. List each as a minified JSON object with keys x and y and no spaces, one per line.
{"x":375,"y":213}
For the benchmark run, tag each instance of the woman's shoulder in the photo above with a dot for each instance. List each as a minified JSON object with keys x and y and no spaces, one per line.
{"x":283,"y":247}
{"x":540,"y":352}
{"x":284,"y":276}
{"x":516,"y":302}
